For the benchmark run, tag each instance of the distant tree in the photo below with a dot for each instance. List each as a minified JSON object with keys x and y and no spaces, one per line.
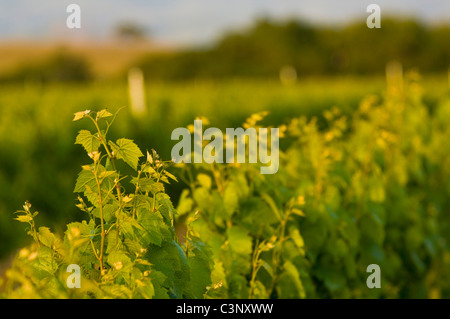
{"x":130,"y":32}
{"x":265,"y":47}
{"x":60,"y":66}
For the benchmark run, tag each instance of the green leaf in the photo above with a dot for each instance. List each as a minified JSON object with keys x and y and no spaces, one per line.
{"x":259,"y":290}
{"x":170,"y":260}
{"x":298,"y":212}
{"x":257,"y":217}
{"x":24,"y":218}
{"x":371,"y":228}
{"x":103,"y":114}
{"x":109,"y":211}
{"x":85,"y":177}
{"x":105,"y":174}
{"x":171,"y":176}
{"x":149,"y":185}
{"x":114,"y":243}
{"x":239,"y":240}
{"x":133,"y":246}
{"x":231,"y":199}
{"x":200,"y":264}
{"x":290,"y":284}
{"x":46,"y":237}
{"x":146,"y":289}
{"x":204,"y":180}
{"x":155,"y":230}
{"x":185,"y":203}
{"x":298,"y":239}
{"x":118,"y":291}
{"x":167,"y":210}
{"x":158,"y":279}
{"x":118,"y":259}
{"x":238,"y":286}
{"x":87,"y":184}
{"x":127,"y":151}
{"x":127,"y":224}
{"x":88,"y":141}
{"x":82,"y":229}
{"x":80,"y":115}
{"x":270,"y":201}
{"x":267,"y":267}
{"x":203,"y":198}
{"x":148,"y":169}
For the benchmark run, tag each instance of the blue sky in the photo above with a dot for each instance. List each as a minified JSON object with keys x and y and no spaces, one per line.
{"x":190,"y":21}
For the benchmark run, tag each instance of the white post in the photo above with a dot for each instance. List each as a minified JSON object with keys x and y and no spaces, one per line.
{"x":394,"y":76}
{"x":136,"y":90}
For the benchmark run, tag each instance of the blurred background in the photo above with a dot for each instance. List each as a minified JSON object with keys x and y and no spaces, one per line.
{"x":173,"y":60}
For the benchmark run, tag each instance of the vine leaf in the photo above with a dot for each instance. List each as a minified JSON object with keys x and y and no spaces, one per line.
{"x":103,"y":114}
{"x":127,"y":151}
{"x":88,"y":141}
{"x":80,"y":115}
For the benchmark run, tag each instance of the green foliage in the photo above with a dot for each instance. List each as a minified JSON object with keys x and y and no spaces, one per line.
{"x":126,"y":247}
{"x":370,"y":188}
{"x":60,"y":66}
{"x":261,"y":50}
{"x":32,"y":168}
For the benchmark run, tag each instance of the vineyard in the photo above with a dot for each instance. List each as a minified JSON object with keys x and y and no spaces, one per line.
{"x":361,"y":184}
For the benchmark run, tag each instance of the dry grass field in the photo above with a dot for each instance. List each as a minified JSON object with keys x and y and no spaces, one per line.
{"x":106,"y":59}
